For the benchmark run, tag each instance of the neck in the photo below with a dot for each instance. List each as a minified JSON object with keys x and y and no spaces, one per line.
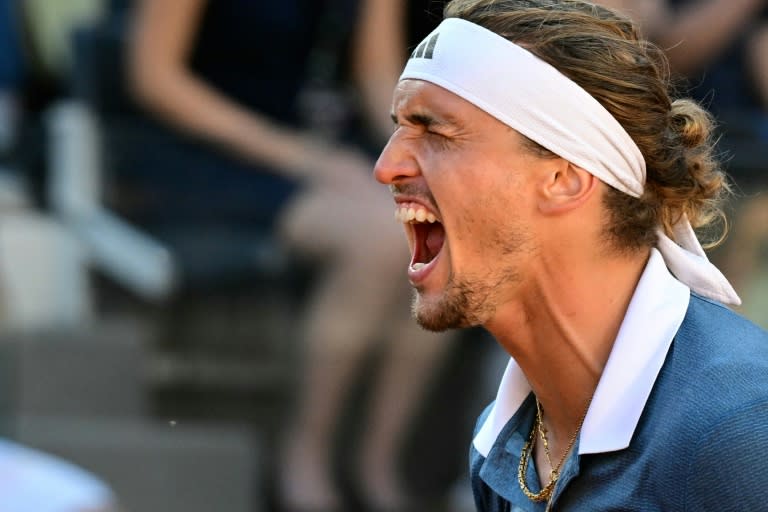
{"x":562,"y":328}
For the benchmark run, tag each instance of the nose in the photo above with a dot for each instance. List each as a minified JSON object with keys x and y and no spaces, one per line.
{"x":396,"y":162}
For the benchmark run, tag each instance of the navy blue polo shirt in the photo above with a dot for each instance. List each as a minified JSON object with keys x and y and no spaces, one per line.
{"x":697,"y":440}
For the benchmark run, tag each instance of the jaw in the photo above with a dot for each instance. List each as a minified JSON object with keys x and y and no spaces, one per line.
{"x":447,"y":303}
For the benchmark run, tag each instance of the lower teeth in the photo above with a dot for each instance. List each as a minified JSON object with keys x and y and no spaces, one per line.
{"x":418,"y":266}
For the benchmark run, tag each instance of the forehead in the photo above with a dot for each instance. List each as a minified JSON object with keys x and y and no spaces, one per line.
{"x":421,"y":97}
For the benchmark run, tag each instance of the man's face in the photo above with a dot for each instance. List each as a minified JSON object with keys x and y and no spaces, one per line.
{"x":465,"y":191}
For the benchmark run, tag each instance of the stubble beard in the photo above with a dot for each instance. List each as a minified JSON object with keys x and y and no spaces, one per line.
{"x":472,"y":300}
{"x":463,"y":304}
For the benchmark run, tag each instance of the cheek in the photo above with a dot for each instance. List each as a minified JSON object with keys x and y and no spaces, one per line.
{"x":487,"y":213}
{"x":470,"y":222}
{"x":476,"y":195}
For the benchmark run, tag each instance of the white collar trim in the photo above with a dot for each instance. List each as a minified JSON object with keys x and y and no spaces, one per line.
{"x":655,"y":313}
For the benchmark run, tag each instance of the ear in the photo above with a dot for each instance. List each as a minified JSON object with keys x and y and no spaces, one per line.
{"x":566,"y":188}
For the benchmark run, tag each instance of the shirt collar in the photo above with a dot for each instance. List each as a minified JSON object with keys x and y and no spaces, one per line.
{"x":654,"y":315}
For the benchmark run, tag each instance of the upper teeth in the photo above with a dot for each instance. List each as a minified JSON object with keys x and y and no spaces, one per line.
{"x":410,"y":214}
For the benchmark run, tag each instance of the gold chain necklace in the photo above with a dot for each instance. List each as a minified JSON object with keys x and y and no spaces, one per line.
{"x":538,"y":429}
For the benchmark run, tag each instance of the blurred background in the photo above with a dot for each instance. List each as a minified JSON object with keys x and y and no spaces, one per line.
{"x":202,"y":296}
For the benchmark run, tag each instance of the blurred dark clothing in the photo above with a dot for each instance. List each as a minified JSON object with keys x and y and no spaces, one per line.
{"x":422,"y":17}
{"x":261,"y":54}
{"x":727,"y":88}
{"x":11,"y":57}
{"x":726,"y":85}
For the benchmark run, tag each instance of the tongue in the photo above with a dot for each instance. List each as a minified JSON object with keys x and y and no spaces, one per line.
{"x":435,"y":239}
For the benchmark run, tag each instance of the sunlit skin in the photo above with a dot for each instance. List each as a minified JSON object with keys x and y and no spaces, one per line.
{"x":466,"y":152}
{"x":524,"y":253}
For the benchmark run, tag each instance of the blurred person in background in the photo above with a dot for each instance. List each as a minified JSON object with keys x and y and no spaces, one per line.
{"x":699,"y":35}
{"x":245,"y":89}
{"x":720,"y":48}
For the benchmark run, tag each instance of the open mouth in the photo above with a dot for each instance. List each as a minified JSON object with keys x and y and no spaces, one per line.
{"x":425,"y":231}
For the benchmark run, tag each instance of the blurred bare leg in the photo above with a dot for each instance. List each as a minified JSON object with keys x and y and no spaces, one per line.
{"x":362,"y":246}
{"x":409,"y":365}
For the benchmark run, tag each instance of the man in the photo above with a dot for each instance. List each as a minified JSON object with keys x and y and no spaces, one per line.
{"x":549,"y":188}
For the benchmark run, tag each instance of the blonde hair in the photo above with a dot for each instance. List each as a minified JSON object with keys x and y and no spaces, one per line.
{"x":603,"y":52}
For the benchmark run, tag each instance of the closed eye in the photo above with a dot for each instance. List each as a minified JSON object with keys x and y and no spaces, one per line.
{"x":427,"y":125}
{"x":438,"y":139}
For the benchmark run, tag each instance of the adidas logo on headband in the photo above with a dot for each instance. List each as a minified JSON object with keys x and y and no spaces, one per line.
{"x":426,"y":48}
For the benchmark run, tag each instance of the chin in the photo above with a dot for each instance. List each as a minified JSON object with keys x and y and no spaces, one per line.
{"x":442,"y":314}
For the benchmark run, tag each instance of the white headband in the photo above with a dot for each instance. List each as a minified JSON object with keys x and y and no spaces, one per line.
{"x":531,"y":96}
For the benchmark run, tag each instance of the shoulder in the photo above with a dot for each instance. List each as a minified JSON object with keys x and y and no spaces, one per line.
{"x":727,"y":469}
{"x":716,"y":346}
{"x":708,"y":319}
{"x":710,"y":402}
{"x":718,"y":362}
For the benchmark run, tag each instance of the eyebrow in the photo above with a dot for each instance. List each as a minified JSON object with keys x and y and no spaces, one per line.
{"x":426,"y":120}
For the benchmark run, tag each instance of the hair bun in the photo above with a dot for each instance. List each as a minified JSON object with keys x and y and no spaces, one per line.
{"x":691,"y":123}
